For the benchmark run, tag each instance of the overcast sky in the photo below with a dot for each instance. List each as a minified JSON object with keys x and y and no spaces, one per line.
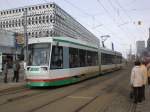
{"x":117,"y":18}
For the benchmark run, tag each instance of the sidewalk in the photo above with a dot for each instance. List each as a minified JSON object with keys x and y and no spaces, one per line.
{"x":12,"y":85}
{"x":145,"y":105}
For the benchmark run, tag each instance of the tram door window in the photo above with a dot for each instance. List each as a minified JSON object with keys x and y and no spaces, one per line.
{"x":73,"y":57}
{"x":57,"y":57}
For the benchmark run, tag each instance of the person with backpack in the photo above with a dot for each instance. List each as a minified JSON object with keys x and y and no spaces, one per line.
{"x":16,"y":68}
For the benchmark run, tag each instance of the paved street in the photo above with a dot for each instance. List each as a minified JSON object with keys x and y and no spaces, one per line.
{"x":108,"y":93}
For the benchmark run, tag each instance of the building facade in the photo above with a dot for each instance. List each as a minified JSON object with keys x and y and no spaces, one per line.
{"x":44,"y":20}
{"x":140,"y":46}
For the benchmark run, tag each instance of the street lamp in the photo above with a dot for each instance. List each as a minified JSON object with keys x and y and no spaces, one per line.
{"x":104,"y":38}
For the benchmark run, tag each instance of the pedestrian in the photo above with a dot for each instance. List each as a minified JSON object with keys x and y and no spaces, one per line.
{"x":16,"y":68}
{"x":148,"y":73}
{"x":5,"y":71}
{"x":137,"y":82}
{"x":144,"y":71}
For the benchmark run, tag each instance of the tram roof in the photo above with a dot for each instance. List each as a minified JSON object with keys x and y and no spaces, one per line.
{"x":61,"y":39}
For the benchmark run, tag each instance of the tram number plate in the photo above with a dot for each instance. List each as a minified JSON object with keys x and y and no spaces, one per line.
{"x":34,"y":69}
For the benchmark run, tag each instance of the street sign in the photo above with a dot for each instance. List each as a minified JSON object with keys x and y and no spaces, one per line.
{"x":19,"y":40}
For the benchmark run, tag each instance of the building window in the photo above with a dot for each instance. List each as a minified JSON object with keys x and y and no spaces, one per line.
{"x":32,"y":20}
{"x":32,"y":34}
{"x":39,"y":19}
{"x":47,"y":19}
{"x":32,"y":8}
{"x":40,"y":34}
{"x":39,"y":7}
{"x":43,"y":19}
{"x":29,"y":21}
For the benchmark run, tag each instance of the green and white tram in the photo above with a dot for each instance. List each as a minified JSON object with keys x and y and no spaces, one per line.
{"x":55,"y":61}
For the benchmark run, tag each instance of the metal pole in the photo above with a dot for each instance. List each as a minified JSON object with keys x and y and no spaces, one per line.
{"x":25,"y":36}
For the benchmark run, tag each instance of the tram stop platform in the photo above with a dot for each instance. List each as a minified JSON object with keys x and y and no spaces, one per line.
{"x":144,"y":106}
{"x":12,"y":85}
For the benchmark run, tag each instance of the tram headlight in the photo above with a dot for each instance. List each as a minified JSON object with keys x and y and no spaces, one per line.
{"x":28,"y":68}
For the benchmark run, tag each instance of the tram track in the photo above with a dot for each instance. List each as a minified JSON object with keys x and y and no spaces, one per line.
{"x":21,"y":97}
{"x":80,"y":87}
{"x":12,"y":91}
{"x":105,"y":90}
{"x":73,"y":92}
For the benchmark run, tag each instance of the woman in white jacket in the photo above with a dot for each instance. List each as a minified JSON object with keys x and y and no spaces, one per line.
{"x":137,"y":82}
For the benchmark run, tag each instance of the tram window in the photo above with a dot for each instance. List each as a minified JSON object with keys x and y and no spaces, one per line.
{"x":38,"y":54}
{"x":73,"y":58}
{"x":57,"y":57}
{"x":82,"y":55}
{"x":94,"y":58}
{"x":107,"y":59}
{"x":89,"y":58}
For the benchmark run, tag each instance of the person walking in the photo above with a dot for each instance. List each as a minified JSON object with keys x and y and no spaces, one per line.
{"x":144,"y":72}
{"x":137,"y":82}
{"x":16,"y":68}
{"x":5,"y":71}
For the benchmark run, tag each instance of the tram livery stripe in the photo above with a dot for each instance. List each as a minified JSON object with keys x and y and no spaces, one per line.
{"x":47,"y":80}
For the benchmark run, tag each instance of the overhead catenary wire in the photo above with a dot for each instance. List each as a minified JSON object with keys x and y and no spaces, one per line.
{"x":130,"y":18}
{"x":110,"y":16}
{"x":79,"y":9}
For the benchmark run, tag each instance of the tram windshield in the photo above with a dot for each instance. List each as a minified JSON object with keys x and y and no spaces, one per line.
{"x":39,"y":54}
